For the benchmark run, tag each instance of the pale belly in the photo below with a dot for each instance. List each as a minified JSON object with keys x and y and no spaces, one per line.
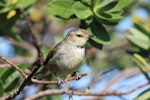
{"x":68,"y":62}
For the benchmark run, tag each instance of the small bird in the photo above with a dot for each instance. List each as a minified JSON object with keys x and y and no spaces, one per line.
{"x":66,"y":56}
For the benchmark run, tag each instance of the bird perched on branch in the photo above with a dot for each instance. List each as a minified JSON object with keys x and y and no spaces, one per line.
{"x":66,"y":56}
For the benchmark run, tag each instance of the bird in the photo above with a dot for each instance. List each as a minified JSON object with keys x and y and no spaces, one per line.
{"x":67,"y":55}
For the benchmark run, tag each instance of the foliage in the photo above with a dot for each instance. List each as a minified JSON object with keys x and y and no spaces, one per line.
{"x":92,"y":14}
{"x":144,"y":95}
{"x":143,"y":65}
{"x":9,"y":14}
{"x":9,"y":80}
{"x":140,"y":38}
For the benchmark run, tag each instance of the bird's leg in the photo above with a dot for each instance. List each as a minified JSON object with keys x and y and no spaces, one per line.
{"x":60,"y":81}
{"x":71,"y":96}
{"x":77,"y":75}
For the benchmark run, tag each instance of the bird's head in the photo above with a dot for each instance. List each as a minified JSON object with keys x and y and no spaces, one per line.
{"x":77,"y":37}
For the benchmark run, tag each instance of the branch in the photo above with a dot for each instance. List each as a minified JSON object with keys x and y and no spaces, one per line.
{"x":34,"y":80}
{"x":34,"y":39}
{"x":13,"y":65}
{"x":81,"y":93}
{"x":97,"y":77}
{"x":29,"y":25}
{"x":55,"y":82}
{"x":37,"y":63}
{"x":20,"y":59}
{"x":24,"y":83}
{"x":125,"y":73}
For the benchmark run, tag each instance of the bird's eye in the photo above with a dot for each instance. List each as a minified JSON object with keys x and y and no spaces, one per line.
{"x":79,"y":35}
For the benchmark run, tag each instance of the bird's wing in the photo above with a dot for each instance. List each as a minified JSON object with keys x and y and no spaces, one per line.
{"x":49,"y":56}
{"x":52,"y":53}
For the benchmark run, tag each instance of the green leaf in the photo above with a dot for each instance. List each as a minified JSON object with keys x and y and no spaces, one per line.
{"x":141,"y":64}
{"x":144,"y":96}
{"x":1,"y":88}
{"x":100,"y":32}
{"x":142,"y":61}
{"x":107,"y":4}
{"x":88,"y":2}
{"x":5,"y":9}
{"x":6,"y":73}
{"x":96,"y":2}
{"x":9,"y":24}
{"x":143,"y":70}
{"x":95,"y":44}
{"x":24,"y":3}
{"x":132,"y":50}
{"x":108,"y":18}
{"x":89,"y":20}
{"x":2,"y":4}
{"x":61,"y":8}
{"x":7,"y":6}
{"x":81,"y":10}
{"x":109,"y":11}
{"x":9,"y":78}
{"x":12,"y":81}
{"x":140,"y":28}
{"x":139,"y":39}
{"x":120,"y":5}
{"x":2,"y":71}
{"x":6,"y":3}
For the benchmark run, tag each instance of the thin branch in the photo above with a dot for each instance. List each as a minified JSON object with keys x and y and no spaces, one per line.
{"x":13,"y":65}
{"x":23,"y":84}
{"x":20,"y":59}
{"x":29,"y":47}
{"x":29,"y":24}
{"x":81,"y":93}
{"x":67,"y":82}
{"x":37,"y":63}
{"x":34,"y":80}
{"x":97,"y":77}
{"x":55,"y":82}
{"x":125,"y":73}
{"x":34,"y":39}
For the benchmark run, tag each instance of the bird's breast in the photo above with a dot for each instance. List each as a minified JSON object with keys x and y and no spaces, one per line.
{"x":67,"y":60}
{"x":74,"y":56}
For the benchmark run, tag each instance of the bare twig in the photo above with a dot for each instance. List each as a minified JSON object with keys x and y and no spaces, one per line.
{"x":37,"y":63}
{"x":97,"y":77}
{"x":34,"y":80}
{"x":55,"y":82}
{"x":29,"y":47}
{"x":21,"y":59}
{"x":67,"y":82}
{"x":13,"y":65}
{"x":34,"y":39}
{"x":81,"y":93}
{"x":125,"y":73}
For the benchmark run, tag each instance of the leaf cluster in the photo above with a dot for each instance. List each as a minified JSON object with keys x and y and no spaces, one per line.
{"x":9,"y":79}
{"x":8,"y":9}
{"x":92,"y":15}
{"x":140,"y":38}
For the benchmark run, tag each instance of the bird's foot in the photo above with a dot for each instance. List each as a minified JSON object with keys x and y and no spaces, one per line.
{"x":77,"y":75}
{"x":60,"y":81}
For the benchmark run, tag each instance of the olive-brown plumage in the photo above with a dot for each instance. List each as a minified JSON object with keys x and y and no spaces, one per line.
{"x":66,"y":56}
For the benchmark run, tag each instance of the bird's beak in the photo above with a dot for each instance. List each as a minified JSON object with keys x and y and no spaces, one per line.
{"x":90,"y":36}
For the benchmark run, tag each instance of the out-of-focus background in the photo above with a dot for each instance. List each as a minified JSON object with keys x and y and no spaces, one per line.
{"x":118,"y":59}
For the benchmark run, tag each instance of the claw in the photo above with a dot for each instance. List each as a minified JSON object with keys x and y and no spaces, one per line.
{"x":77,"y":75}
{"x":60,"y":81}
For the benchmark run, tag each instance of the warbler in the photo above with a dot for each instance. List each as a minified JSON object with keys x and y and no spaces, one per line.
{"x":66,"y":56}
